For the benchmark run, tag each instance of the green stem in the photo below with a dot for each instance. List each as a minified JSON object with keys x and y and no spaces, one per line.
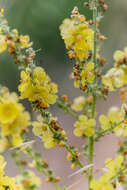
{"x":91,"y":145}
{"x":16,"y":157}
{"x":40,"y":168}
{"x":91,"y":139}
{"x":64,"y":107}
{"x":73,"y":154}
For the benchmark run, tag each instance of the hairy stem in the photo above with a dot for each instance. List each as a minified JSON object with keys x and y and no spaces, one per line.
{"x":91,"y":139}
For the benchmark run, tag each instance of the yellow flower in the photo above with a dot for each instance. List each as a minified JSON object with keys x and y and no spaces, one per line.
{"x":13,"y":118}
{"x":114,"y":78}
{"x":118,"y":55}
{"x":38,"y":87}
{"x":8,"y":111}
{"x":115,"y":117}
{"x":5,"y":181}
{"x":115,"y":165}
{"x":41,"y":128}
{"x":87,"y":74}
{"x":3,"y":44}
{"x":78,"y":103}
{"x":100,"y":185}
{"x":77,"y":37}
{"x":24,"y":41}
{"x":4,"y":144}
{"x":105,"y":122}
{"x":27,"y":181}
{"x":84,"y":126}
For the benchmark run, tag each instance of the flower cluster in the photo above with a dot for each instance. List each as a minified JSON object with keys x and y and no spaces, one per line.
{"x":86,"y":75}
{"x":84,"y":126}
{"x":27,"y":181}
{"x":116,"y":77}
{"x":5,"y":181}
{"x":14,"y":120}
{"x":38,"y":88}
{"x":52,"y":134}
{"x":113,"y":168}
{"x":77,"y":35}
{"x":115,"y":120}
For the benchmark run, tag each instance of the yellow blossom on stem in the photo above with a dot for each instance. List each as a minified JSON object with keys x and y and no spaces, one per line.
{"x":27,"y":181}
{"x":115,"y":117}
{"x":84,"y":126}
{"x":120,"y":55}
{"x":114,"y":79}
{"x":24,"y":41}
{"x":41,"y":128}
{"x":38,"y":87}
{"x":115,"y":165}
{"x":87,"y":74}
{"x":78,"y":37}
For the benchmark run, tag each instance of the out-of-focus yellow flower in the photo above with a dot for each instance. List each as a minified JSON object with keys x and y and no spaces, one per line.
{"x":4,"y":144}
{"x":114,"y":79}
{"x":5,"y":181}
{"x":78,"y":37}
{"x":120,"y":55}
{"x":14,"y":120}
{"x":3,"y":44}
{"x":100,"y":184}
{"x":27,"y":181}
{"x":79,"y":103}
{"x":24,"y":41}
{"x":38,"y":87}
{"x":87,"y":74}
{"x":115,"y":117}
{"x":8,"y":111}
{"x":84,"y":126}
{"x":115,"y":165}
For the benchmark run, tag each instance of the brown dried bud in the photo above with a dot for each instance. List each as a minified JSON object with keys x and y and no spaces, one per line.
{"x":84,"y":88}
{"x":105,"y":7}
{"x":45,"y":163}
{"x":102,"y":37}
{"x":75,"y":10}
{"x":90,"y":22}
{"x":86,"y":5}
{"x":101,"y":2}
{"x":55,"y":125}
{"x":90,"y":99}
{"x":102,"y":60}
{"x":99,"y":74}
{"x":57,"y":179}
{"x":77,"y":155}
{"x":65,"y":98}
{"x":61,"y":144}
{"x":24,"y":162}
{"x":104,"y":90}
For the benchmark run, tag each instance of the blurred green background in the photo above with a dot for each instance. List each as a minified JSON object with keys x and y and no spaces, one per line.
{"x":41,"y":19}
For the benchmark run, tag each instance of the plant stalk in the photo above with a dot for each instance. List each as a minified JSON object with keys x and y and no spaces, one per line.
{"x":91,"y":139}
